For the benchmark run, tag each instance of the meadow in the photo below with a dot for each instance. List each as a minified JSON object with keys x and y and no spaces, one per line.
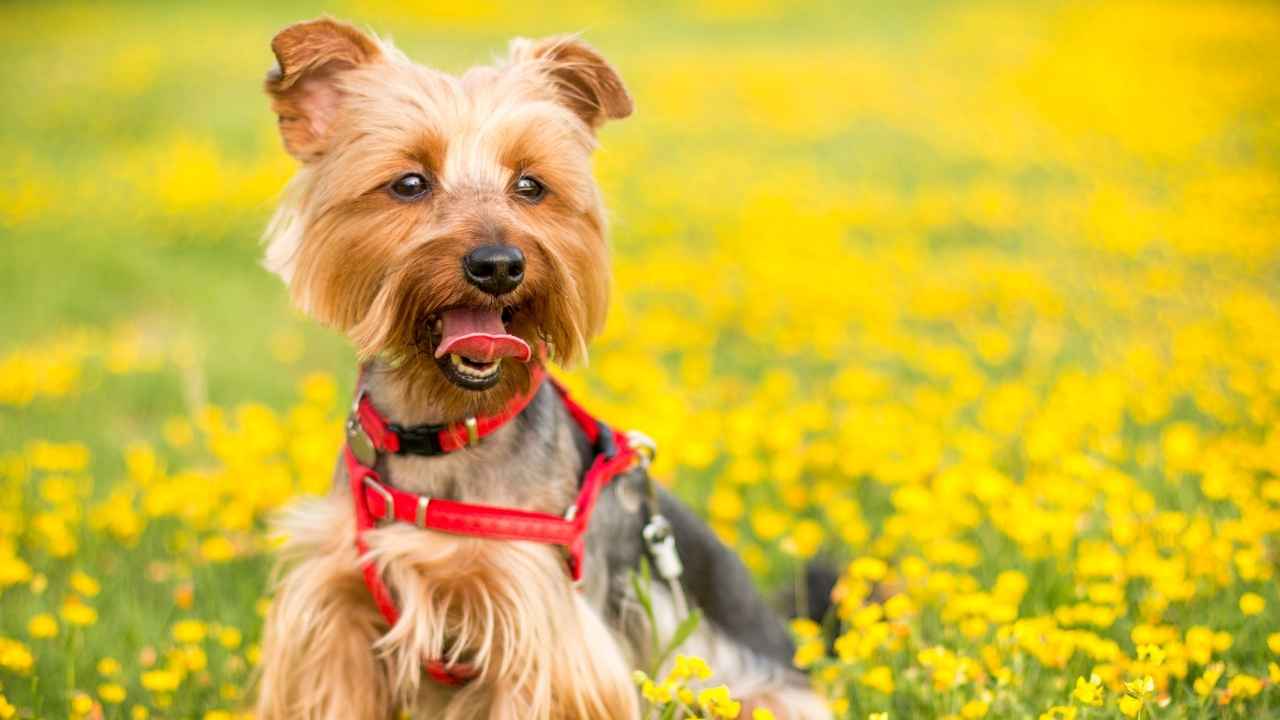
{"x":978,"y":303}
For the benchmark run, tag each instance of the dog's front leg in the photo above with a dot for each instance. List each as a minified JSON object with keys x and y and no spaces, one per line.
{"x":318,"y":661}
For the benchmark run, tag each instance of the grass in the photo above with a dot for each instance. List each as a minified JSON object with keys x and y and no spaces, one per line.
{"x":976,"y":301}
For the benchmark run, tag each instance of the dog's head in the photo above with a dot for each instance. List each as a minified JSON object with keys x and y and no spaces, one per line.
{"x":452,"y":223}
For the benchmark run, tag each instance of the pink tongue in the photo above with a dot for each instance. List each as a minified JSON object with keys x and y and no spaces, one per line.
{"x":477,"y":334}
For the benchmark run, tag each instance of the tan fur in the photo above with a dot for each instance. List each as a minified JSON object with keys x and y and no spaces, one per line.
{"x":317,"y":661}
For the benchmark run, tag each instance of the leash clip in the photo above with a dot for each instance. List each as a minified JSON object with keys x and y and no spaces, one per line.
{"x":661,"y":542}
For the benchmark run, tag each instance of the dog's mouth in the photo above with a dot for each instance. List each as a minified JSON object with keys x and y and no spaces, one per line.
{"x":470,"y":343}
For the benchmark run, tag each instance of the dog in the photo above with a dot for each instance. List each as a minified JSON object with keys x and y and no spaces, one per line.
{"x":452,"y":229}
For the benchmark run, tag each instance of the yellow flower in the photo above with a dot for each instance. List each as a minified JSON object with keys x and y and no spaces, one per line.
{"x":188,"y":631}
{"x":1244,"y":686}
{"x":658,"y":694}
{"x":716,"y":701}
{"x":85,"y":585}
{"x":1206,"y":682}
{"x":111,"y":693}
{"x":868,"y":568}
{"x":1252,"y":603}
{"x":762,"y":714}
{"x":1059,"y":712}
{"x":808,"y":653}
{"x":1141,"y":687}
{"x":1273,"y":642}
{"x":81,"y":704}
{"x":878,"y":716}
{"x":108,"y":666}
{"x":15,"y":656}
{"x":879,"y":678}
{"x":7,"y":711}
{"x":161,"y":681}
{"x":13,"y":570}
{"x":1153,"y":654}
{"x":229,"y":638}
{"x":43,"y":625}
{"x":76,"y":612}
{"x":974,"y":709}
{"x":217,"y":549}
{"x":688,"y":666}
{"x":218,"y":715}
{"x":1130,"y":705}
{"x":138,"y":712}
{"x":1088,"y":692}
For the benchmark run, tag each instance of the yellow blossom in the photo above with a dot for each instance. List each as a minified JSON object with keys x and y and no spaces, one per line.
{"x":716,"y":700}
{"x":879,"y":678}
{"x":43,"y":625}
{"x":111,"y":693}
{"x":85,"y":585}
{"x":76,"y":612}
{"x":1088,"y":692}
{"x":1252,"y":604}
{"x":188,"y":631}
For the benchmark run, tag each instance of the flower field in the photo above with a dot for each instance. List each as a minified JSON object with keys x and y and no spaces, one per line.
{"x":978,"y":303}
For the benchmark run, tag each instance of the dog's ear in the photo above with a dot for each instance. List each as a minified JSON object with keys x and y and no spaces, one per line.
{"x":303,"y":88}
{"x":583,"y":80}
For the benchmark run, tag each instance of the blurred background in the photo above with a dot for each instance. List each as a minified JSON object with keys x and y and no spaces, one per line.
{"x":977,"y":302}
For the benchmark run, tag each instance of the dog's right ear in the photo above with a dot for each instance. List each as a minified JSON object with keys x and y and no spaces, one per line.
{"x":304,"y":92}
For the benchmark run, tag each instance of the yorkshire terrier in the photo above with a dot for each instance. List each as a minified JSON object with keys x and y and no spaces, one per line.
{"x":479,"y":554}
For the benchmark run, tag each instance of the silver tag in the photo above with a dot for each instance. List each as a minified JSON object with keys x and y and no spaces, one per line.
{"x":360,"y":443}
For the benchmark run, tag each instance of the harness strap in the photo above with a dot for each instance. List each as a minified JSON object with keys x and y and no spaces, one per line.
{"x":376,"y":501}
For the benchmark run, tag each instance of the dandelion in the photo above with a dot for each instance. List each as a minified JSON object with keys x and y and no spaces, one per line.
{"x":43,"y":625}
{"x":108,"y":667}
{"x":85,"y":585}
{"x":879,"y":678}
{"x":15,"y":657}
{"x":161,"y":681}
{"x":1252,"y":604}
{"x":188,"y":631}
{"x":81,"y":704}
{"x":111,"y":693}
{"x":75,"y":612}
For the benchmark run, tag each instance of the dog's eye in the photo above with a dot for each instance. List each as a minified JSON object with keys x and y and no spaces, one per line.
{"x":411,"y":186}
{"x":530,"y":189}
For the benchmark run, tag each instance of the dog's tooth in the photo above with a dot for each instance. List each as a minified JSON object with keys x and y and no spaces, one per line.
{"x":456,"y":359}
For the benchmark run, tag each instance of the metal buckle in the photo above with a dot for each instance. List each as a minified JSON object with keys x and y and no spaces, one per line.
{"x":389,"y":503}
{"x":646,"y":448}
{"x":473,"y":430}
{"x":421,"y":516}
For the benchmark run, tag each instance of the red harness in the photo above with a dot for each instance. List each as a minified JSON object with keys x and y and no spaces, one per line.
{"x":368,"y":433}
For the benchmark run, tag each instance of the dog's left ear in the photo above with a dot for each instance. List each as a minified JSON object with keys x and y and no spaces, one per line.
{"x":583,"y":80}
{"x":305,"y":94}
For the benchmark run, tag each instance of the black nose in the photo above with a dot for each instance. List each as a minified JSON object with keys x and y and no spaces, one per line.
{"x":495,"y":269}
